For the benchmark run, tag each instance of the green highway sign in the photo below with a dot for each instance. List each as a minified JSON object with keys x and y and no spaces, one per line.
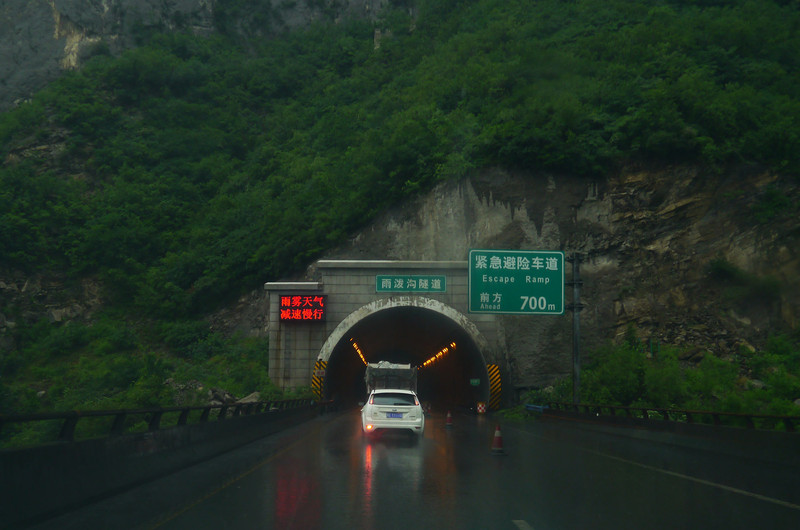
{"x":522,"y":282}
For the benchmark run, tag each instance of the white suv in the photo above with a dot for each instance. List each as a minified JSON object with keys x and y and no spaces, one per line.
{"x":392,"y":409}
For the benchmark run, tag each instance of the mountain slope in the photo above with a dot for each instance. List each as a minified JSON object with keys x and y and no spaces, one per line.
{"x":191,"y":169}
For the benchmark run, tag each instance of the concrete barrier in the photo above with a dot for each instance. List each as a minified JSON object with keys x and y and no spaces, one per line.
{"x":40,"y":482}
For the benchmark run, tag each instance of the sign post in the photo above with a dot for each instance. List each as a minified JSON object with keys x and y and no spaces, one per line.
{"x":576,"y":307}
{"x":522,"y":282}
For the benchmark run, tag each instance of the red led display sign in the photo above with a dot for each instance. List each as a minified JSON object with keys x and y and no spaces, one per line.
{"x":302,"y":308}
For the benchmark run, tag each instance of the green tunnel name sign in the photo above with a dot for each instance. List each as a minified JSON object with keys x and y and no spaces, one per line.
{"x":523,"y":282}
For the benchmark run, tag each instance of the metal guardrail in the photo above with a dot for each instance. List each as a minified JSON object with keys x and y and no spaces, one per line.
{"x":152,"y":416}
{"x":677,"y":415}
{"x":530,"y":407}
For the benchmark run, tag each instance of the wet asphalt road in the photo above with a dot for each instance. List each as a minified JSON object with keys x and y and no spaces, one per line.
{"x":554,"y":475}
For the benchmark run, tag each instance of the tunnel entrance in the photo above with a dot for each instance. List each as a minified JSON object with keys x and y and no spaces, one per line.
{"x":409,"y":334}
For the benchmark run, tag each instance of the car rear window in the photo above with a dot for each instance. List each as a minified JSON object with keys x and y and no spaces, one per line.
{"x":391,"y":398}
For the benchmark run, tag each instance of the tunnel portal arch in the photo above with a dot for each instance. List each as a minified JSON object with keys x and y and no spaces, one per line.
{"x":399,"y":311}
{"x":408,"y":329}
{"x":399,"y":301}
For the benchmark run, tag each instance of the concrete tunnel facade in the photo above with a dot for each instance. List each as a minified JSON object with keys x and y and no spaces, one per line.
{"x":363,"y":322}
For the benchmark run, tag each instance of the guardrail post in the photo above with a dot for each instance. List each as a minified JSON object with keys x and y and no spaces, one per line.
{"x":155,"y":421}
{"x":67,"y":433}
{"x":119,"y":423}
{"x":184,"y":417}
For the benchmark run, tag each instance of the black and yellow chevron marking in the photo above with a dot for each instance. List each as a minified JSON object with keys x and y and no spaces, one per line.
{"x":318,"y":378}
{"x":495,"y":386}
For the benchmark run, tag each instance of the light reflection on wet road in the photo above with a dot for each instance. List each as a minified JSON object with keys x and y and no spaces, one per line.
{"x":555,"y":476}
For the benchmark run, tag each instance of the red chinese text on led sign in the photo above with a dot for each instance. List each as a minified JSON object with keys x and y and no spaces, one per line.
{"x":300,"y":308}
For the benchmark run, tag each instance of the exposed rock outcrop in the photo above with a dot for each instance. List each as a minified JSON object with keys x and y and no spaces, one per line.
{"x":40,"y":39}
{"x":37,"y":297}
{"x":650,"y":239}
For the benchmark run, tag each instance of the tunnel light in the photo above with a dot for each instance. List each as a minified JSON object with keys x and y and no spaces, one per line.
{"x":438,"y":355}
{"x":358,"y":351}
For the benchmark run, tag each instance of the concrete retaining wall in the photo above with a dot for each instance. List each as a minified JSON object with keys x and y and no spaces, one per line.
{"x":40,"y":482}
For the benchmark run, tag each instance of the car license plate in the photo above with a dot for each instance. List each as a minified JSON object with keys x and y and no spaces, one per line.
{"x":394,"y":414}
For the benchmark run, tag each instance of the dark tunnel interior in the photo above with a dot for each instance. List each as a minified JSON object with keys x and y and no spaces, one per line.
{"x":411,"y":335}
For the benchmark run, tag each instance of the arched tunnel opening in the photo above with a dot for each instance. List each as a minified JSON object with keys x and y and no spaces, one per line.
{"x":410,"y":335}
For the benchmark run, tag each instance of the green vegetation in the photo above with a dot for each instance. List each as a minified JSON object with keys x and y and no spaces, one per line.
{"x":190,"y":169}
{"x":104,"y":366}
{"x":627,"y":374}
{"x":742,"y":288}
{"x":773,"y":204}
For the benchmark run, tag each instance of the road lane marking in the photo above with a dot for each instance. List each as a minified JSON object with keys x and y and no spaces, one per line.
{"x":522,"y":525}
{"x":731,"y":489}
{"x":704,"y":482}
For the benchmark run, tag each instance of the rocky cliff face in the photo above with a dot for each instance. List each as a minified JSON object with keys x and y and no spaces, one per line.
{"x":653,"y":239}
{"x":40,"y":39}
{"x":662,"y":249}
{"x":676,"y":253}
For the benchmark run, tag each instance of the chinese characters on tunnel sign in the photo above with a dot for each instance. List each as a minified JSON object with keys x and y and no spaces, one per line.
{"x":523,"y":282}
{"x":410,"y":284}
{"x":302,"y":308}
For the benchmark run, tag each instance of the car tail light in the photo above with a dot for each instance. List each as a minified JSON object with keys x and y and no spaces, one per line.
{"x":372,"y":399}
{"x":416,"y":401}
{"x":370,"y":427}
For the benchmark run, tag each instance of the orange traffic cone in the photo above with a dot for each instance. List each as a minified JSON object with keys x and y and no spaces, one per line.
{"x":449,"y":421}
{"x":497,"y":443}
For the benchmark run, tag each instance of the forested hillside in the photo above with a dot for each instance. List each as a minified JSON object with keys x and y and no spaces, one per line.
{"x":190,"y":169}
